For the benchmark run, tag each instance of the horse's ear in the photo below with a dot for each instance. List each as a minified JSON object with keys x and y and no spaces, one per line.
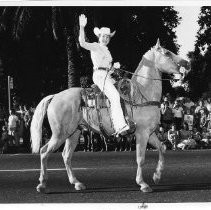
{"x":157,"y":46}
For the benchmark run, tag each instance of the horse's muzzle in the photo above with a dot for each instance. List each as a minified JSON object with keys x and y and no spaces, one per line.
{"x":177,"y":77}
{"x":186,"y":65}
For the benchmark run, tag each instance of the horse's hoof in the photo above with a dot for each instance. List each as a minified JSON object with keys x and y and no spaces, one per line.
{"x":80,"y":186}
{"x":156,"y":179}
{"x":41,"y":189}
{"x":146,"y":189}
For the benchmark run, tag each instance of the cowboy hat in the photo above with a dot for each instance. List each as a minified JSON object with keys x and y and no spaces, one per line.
{"x":103,"y":30}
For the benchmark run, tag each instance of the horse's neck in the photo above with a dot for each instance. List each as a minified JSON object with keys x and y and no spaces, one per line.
{"x":145,"y":74}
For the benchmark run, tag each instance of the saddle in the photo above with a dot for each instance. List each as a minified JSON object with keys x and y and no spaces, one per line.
{"x":93,"y":98}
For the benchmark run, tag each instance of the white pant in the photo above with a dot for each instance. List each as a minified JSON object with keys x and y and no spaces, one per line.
{"x":103,"y":80}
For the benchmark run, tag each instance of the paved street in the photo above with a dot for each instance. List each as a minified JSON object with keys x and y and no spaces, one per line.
{"x":109,"y":177}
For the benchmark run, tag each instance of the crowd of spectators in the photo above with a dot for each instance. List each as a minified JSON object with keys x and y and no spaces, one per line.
{"x":15,"y":129}
{"x":184,"y":125}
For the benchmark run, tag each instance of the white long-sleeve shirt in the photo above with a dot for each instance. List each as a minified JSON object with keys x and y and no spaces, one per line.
{"x":100,"y":55}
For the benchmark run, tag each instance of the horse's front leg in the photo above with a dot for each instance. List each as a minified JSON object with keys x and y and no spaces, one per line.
{"x":141,"y":144}
{"x":153,"y":140}
{"x":67,"y":154}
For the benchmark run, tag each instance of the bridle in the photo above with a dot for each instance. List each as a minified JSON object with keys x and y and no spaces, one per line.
{"x":163,"y":53}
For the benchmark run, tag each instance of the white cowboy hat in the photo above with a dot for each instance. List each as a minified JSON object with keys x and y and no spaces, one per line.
{"x":103,"y":30}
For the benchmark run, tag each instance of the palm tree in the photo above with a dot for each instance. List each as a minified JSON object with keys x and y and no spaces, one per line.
{"x":24,"y":23}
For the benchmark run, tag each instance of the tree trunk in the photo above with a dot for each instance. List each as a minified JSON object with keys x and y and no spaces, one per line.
{"x":72,"y":59}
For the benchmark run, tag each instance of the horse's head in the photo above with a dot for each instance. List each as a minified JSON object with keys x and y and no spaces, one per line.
{"x":168,"y":62}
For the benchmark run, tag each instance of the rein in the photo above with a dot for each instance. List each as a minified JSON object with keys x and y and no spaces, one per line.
{"x":147,"y":102}
{"x":144,"y":76}
{"x":154,"y":67}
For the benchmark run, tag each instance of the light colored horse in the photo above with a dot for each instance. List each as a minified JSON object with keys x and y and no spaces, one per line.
{"x":65,"y":114}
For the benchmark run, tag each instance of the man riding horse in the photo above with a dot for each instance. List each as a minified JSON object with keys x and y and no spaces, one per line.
{"x":102,"y":65}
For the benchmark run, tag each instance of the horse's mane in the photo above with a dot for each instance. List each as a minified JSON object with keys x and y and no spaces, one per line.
{"x":141,"y":63}
{"x":138,"y":88}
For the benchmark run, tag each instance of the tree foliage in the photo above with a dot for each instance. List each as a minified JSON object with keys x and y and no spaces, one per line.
{"x":41,"y":48}
{"x":200,"y":75}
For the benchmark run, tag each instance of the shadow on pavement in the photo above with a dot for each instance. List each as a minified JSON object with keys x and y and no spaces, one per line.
{"x":98,"y":190}
{"x":182,"y":187}
{"x":156,"y":188}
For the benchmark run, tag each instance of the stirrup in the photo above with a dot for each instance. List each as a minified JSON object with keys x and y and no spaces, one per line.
{"x":122,"y":131}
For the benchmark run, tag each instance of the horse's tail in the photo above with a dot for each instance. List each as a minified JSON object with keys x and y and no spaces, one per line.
{"x":36,"y":124}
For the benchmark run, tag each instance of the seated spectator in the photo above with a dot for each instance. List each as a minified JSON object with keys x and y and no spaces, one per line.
{"x":200,"y":107}
{"x":166,"y":116}
{"x":198,"y":138}
{"x":189,"y":119}
{"x":206,"y":136}
{"x":173,"y":136}
{"x":186,"y":138}
{"x":161,"y":134}
{"x":184,"y":132}
{"x":196,"y":135}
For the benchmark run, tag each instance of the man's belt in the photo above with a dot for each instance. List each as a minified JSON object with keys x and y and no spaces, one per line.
{"x":102,"y":68}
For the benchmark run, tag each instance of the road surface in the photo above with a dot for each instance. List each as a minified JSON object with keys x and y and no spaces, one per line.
{"x":109,"y":177}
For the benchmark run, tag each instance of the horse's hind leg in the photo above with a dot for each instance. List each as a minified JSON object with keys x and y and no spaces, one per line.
{"x":161,"y":149}
{"x":43,"y":171}
{"x":45,"y":151}
{"x":67,"y":154}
